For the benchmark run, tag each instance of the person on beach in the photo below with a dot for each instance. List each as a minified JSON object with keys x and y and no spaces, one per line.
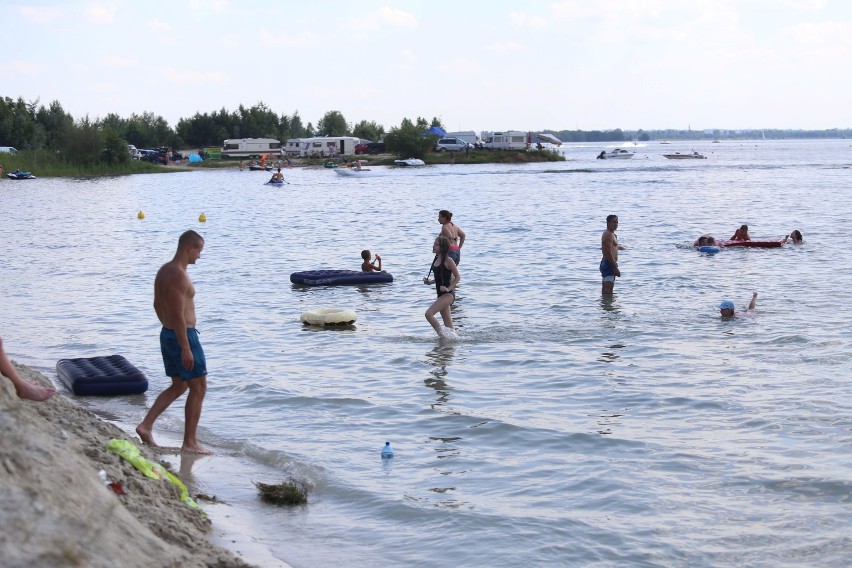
{"x":183,"y":357}
{"x":453,"y":233}
{"x":25,"y":389}
{"x":609,"y":248}
{"x":727,"y":310}
{"x":368,"y":266}
{"x":741,"y":234}
{"x":447,"y":277}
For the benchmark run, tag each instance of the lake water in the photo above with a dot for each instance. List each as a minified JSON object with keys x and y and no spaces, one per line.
{"x":560,"y":429}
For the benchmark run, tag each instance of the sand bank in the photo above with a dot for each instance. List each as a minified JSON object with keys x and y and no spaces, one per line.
{"x":55,"y":510}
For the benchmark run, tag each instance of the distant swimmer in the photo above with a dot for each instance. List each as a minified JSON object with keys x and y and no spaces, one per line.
{"x":741,"y":234}
{"x":609,"y":249}
{"x":367,"y":265}
{"x":727,"y":310}
{"x":795,"y":237}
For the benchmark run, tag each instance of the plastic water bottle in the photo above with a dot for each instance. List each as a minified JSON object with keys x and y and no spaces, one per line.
{"x":387,"y":451}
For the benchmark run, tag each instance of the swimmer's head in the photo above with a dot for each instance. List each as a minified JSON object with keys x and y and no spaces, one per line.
{"x":726,"y":308}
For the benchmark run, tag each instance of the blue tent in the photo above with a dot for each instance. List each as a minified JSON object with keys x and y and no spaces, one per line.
{"x":436,"y":130}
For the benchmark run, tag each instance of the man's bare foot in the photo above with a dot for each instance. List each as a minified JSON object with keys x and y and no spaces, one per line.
{"x":146,"y":436}
{"x":38,"y":393}
{"x":196,"y":449}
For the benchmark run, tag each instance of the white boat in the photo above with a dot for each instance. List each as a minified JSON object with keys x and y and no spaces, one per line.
{"x":664,"y":142}
{"x":678,"y":156}
{"x":409,"y":162}
{"x":617,"y":154}
{"x":353,"y":172}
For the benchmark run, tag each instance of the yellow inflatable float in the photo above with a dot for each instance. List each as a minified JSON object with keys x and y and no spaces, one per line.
{"x":329,"y":316}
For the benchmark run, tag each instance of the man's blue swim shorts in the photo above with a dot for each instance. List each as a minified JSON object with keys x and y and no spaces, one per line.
{"x":171,"y":354}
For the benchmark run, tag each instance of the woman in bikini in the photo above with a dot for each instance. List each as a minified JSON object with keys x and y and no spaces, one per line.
{"x":453,"y":233}
{"x":446,"y":279}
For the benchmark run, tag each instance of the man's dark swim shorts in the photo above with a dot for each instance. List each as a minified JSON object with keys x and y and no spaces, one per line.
{"x":171,"y":354}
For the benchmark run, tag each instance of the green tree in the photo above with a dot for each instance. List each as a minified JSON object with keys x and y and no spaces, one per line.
{"x":84,"y":143}
{"x":369,"y":131}
{"x":56,"y":124}
{"x":115,"y":147}
{"x":332,"y":124}
{"x":407,"y":140}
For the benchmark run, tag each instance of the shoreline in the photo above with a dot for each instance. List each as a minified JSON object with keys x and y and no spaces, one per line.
{"x":57,"y":511}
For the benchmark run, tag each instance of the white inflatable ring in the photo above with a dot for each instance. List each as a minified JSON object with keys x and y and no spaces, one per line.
{"x":329,"y":316}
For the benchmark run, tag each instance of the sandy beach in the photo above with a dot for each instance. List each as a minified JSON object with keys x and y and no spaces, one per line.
{"x":56,"y":511}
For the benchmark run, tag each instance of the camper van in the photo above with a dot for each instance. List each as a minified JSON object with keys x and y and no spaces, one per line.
{"x":250,"y":147}
{"x":508,"y":140}
{"x":322,"y":146}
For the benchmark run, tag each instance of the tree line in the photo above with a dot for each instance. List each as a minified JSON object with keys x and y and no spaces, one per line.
{"x":31,"y":126}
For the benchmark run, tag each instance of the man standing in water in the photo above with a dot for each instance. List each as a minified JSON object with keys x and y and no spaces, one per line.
{"x":174,"y":302}
{"x":609,"y":248}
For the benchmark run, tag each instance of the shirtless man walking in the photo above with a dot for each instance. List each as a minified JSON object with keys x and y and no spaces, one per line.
{"x":609,"y":248}
{"x":174,"y":302}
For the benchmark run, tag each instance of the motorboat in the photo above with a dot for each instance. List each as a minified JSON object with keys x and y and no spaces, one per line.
{"x":409,"y":162}
{"x":355,"y":172}
{"x":18,"y":174}
{"x":616,"y":153}
{"x":678,"y":156}
{"x":664,"y":142}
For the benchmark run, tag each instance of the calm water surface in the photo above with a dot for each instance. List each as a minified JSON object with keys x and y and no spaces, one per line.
{"x":560,"y":429}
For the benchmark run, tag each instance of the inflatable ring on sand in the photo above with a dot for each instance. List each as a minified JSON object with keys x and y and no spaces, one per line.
{"x":329,"y":316}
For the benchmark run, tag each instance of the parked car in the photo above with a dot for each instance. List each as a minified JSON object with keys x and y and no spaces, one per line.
{"x":8,"y":150}
{"x":376,"y":148}
{"x":134,"y":153}
{"x":362,"y":148}
{"x":152,"y":156}
{"x":452,"y":145}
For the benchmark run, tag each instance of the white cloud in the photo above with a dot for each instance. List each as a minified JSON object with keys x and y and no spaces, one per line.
{"x":196,"y":77}
{"x":159,"y":25}
{"x":390,"y":17}
{"x":524,"y":21}
{"x":101,"y":13}
{"x":21,"y":67}
{"x":277,"y":39}
{"x":396,"y":17}
{"x":409,"y":58}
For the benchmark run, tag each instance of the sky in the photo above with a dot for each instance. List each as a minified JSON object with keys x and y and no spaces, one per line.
{"x":476,"y":65}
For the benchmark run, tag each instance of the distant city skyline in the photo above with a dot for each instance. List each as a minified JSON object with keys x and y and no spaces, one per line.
{"x":497,"y":65}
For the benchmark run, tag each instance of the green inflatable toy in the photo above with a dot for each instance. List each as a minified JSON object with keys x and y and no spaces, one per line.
{"x":148,"y":468}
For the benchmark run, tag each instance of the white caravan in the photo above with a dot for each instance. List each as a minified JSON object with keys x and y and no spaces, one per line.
{"x":508,"y":140}
{"x":323,"y":146}
{"x":250,"y":147}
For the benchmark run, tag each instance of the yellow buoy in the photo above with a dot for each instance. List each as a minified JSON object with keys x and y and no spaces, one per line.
{"x":140,"y":215}
{"x":202,"y":218}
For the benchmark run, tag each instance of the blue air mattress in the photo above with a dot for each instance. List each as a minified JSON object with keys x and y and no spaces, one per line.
{"x":102,"y":376}
{"x":338,"y":277}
